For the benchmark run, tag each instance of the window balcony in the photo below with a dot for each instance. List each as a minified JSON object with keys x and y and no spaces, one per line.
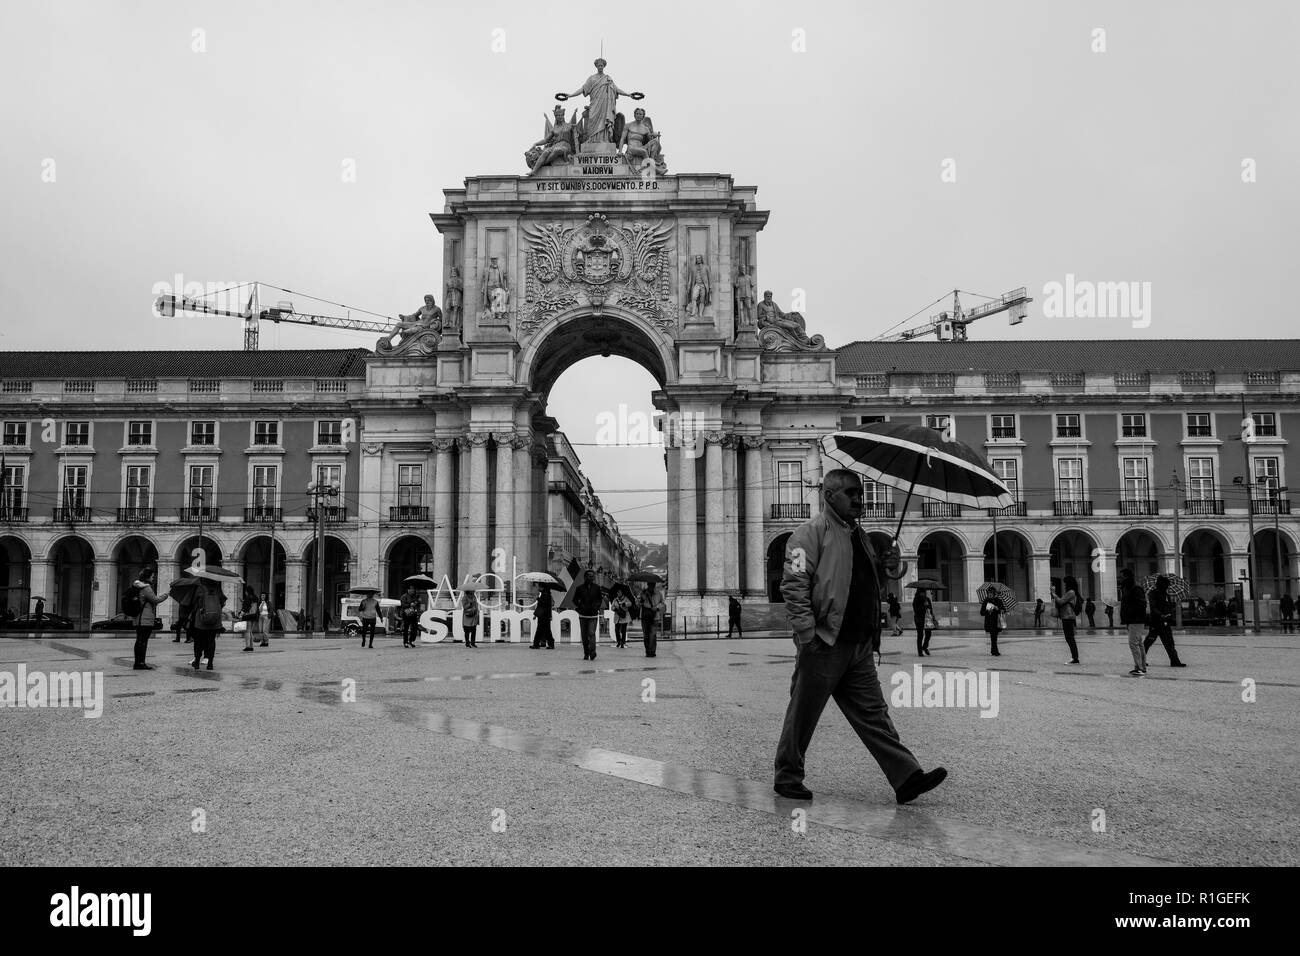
{"x":789,"y":512}
{"x":195,"y":515}
{"x":12,"y":514}
{"x":939,"y":509}
{"x":332,"y":513}
{"x":1203,"y":506}
{"x":1016,"y":509}
{"x":1003,"y":431}
{"x":1133,"y":431}
{"x":1270,"y":506}
{"x":1138,"y":506}
{"x":883,"y":510}
{"x":262,"y":515}
{"x":1070,"y":508}
{"x":1069,"y":431}
{"x":76,"y":513}
{"x":134,"y":515}
{"x":408,"y":513}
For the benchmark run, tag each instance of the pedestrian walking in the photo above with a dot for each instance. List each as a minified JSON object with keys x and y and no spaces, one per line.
{"x":992,"y":611}
{"x":923,"y":616}
{"x":248,"y":614}
{"x":1133,"y":615}
{"x":1066,"y":605}
{"x":40,"y":609}
{"x":831,"y":586}
{"x":1234,"y":610}
{"x":205,"y":621}
{"x":410,"y":611}
{"x":145,"y":604}
{"x":733,"y":616}
{"x":264,"y":620}
{"x":895,"y":612}
{"x":1286,"y":607}
{"x":542,"y":615}
{"x":588,"y":601}
{"x":469,"y":608}
{"x":651,"y":605}
{"x":1110,"y":616}
{"x":1161,"y":621}
{"x":368,"y":612}
{"x":622,"y":608}
{"x":1090,"y":608}
{"x":1039,"y":607}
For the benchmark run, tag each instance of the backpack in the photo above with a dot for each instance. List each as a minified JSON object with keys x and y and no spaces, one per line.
{"x":132,"y":606}
{"x":207,"y":611}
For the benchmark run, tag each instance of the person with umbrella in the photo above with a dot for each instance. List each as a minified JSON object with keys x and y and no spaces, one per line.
{"x":205,"y":621}
{"x":1162,"y":618}
{"x":542,"y":637}
{"x":831,"y":587}
{"x":469,"y":607}
{"x":410,"y":615}
{"x":588,"y":601}
{"x":621,"y":605}
{"x":992,"y":612}
{"x":368,"y":612}
{"x":650,"y":604}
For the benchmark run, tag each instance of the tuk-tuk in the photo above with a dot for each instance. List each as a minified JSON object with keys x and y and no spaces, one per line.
{"x":350,"y":616}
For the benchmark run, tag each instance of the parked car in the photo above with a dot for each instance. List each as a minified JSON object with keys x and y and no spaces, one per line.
{"x":45,"y":622}
{"x":121,"y":622}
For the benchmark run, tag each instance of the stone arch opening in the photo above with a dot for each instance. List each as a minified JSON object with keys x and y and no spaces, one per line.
{"x":258,"y":567}
{"x":1205,"y":563}
{"x":72,"y":569}
{"x":338,"y":578}
{"x":570,"y":338}
{"x":941,"y":556}
{"x":407,"y":555}
{"x":1012,"y":566}
{"x":1138,"y":551}
{"x":776,"y":566}
{"x":131,"y":555}
{"x":1070,"y":554}
{"x":15,"y":577}
{"x":1273,"y":559}
{"x":185,"y":551}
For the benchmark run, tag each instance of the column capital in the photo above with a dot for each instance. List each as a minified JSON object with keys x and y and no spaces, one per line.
{"x":442,"y":444}
{"x":753,"y":441}
{"x":730,"y":441}
{"x":520,"y":442}
{"x":540,"y":459}
{"x":474,"y":440}
{"x":714,"y":437}
{"x":503,"y":439}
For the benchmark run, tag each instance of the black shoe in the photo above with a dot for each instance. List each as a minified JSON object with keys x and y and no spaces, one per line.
{"x":919,"y":783}
{"x":195,"y":663}
{"x":248,"y":650}
{"x":996,"y":652}
{"x":142,"y":667}
{"x":176,"y":640}
{"x":209,"y":665}
{"x":1177,"y":664}
{"x":371,"y":645}
{"x":793,"y":791}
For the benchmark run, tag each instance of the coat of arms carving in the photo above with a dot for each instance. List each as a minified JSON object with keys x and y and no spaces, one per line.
{"x":597,"y":264}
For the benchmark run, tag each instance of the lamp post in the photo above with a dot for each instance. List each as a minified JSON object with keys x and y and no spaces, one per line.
{"x":1250,"y":548}
{"x":1177,"y":484}
{"x":1283,"y":580}
{"x":317,"y":490}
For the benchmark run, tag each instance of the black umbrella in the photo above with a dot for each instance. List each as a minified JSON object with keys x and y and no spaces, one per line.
{"x":647,"y":576}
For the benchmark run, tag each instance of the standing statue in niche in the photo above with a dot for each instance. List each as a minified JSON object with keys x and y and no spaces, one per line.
{"x":640,"y":144}
{"x":744,"y":299}
{"x":699,"y":292}
{"x":453,"y":297}
{"x":600,"y":120}
{"x":496,"y":292}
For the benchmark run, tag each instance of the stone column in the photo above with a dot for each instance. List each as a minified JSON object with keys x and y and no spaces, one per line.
{"x":40,"y":581}
{"x":1042,"y":581}
{"x":688,"y":577}
{"x":369,"y":503}
{"x":295,"y":584}
{"x":444,"y":506}
{"x":477,"y":558}
{"x":755,"y":554}
{"x":541,"y":508}
{"x":974,"y":578}
{"x":673,"y":469}
{"x":731,"y":516}
{"x":714,"y":514}
{"x":505,"y":529}
{"x":523,"y":488}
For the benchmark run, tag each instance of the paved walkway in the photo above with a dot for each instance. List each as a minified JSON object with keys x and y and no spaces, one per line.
{"x":509,"y":755}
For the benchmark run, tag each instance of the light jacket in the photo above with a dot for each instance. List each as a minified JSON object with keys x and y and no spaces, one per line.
{"x":818,"y":571}
{"x":149,"y":601}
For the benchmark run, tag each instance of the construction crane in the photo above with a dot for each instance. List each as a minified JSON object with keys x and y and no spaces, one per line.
{"x":167,"y":306}
{"x":951,"y":326}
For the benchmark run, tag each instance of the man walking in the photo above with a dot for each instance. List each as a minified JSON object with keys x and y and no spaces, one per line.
{"x":733,"y":616}
{"x":651,"y":605}
{"x":1162,"y":617}
{"x":1133,"y":615}
{"x":832,"y":596}
{"x":1287,"y":609}
{"x":895,"y":613}
{"x":587,"y":601}
{"x":1090,"y":608}
{"x":411,"y":609}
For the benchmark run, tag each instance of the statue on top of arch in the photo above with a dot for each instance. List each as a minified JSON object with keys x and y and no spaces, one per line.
{"x":784,"y":331}
{"x":420,"y":332}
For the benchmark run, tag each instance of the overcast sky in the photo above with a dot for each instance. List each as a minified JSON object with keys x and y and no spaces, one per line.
{"x":225,"y":164}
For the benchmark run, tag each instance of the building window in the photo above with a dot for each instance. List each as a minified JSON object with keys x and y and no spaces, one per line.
{"x":1069,"y":479}
{"x":203,"y":433}
{"x":1200,"y":479}
{"x":410,"y":485}
{"x":201,"y":478}
{"x":74,"y":486}
{"x":1137,"y":486}
{"x":1068,"y":426}
{"x":1198,"y":425}
{"x":330,"y":475}
{"x":15,"y":433}
{"x":1134,"y":425}
{"x":1008,"y":470}
{"x":789,"y":482}
{"x":137,"y":486}
{"x":1004,"y":426}
{"x":874,"y":494}
{"x":139,"y":433}
{"x":1267,"y":474}
{"x":1265,"y":424}
{"x":266,"y":433}
{"x":14,"y":487}
{"x":265,"y":484}
{"x":870,"y":419}
{"x":76,"y":433}
{"x":329,"y":433}
{"x":937,"y":422}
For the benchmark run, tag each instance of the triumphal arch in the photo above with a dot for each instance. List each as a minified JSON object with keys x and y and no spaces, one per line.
{"x":593,"y":246}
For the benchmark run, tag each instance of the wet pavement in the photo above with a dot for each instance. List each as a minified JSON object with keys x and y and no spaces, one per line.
{"x":312,"y":750}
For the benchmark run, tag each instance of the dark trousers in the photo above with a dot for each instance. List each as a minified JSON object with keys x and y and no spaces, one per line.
{"x":368,"y":627}
{"x":734,"y":622}
{"x":471,"y":634}
{"x":205,"y":644}
{"x":922,"y":636}
{"x":1038,"y":619}
{"x":620,"y":634}
{"x":410,"y":629}
{"x":542,"y":635}
{"x":1288,"y":622}
{"x":993,"y":638}
{"x":587,"y":625}
{"x":649,"y":633}
{"x":142,"y":635}
{"x":1067,"y":625}
{"x":1091,"y":622}
{"x":1162,"y":630}
{"x":847,"y":673}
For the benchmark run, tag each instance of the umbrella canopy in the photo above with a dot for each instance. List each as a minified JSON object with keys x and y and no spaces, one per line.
{"x":917,"y":459}
{"x":538,"y":577}
{"x":472,"y":584}
{"x":998,"y":593}
{"x":37,"y":597}
{"x":930,"y":584}
{"x":220,"y":575}
{"x":182,"y":590}
{"x":422,"y":579}
{"x":648,"y":577}
{"x":364,"y":589}
{"x":1178,"y":588}
{"x":550,"y":585}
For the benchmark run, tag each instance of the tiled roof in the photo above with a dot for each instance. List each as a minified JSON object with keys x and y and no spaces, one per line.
{"x":287,"y":363}
{"x":1120,"y":355}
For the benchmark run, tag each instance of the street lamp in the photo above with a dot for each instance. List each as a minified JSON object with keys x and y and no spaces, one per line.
{"x":317,"y":490}
{"x":1177,"y":484}
{"x":1283,"y":580}
{"x":1250,"y":549}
